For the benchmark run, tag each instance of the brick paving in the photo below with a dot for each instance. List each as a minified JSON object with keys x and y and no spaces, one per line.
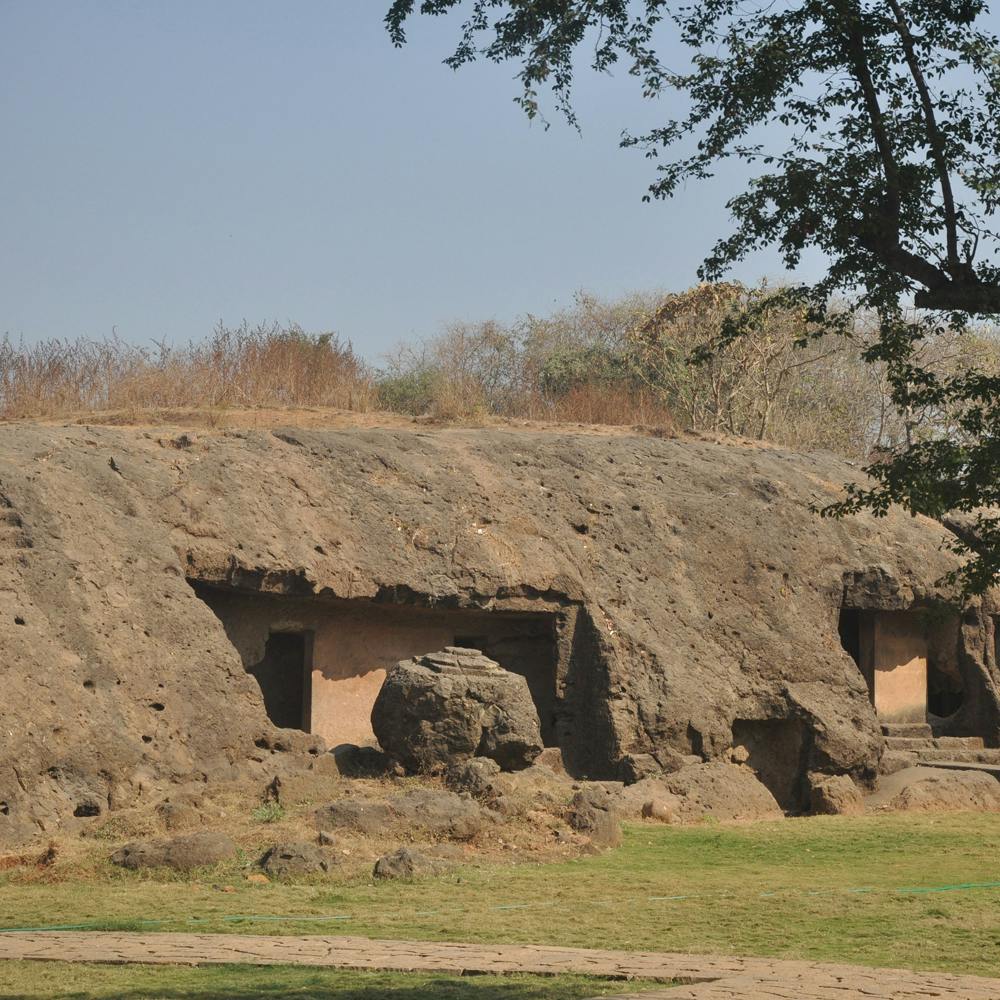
{"x":704,"y":977}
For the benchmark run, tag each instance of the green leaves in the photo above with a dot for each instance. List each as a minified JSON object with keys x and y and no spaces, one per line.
{"x":872,"y":130}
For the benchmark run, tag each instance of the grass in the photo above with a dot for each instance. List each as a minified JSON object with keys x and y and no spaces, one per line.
{"x":824,"y":888}
{"x":54,"y":981}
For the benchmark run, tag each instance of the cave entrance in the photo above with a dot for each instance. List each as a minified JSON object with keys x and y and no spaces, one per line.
{"x":908,"y":660}
{"x":349,"y":646}
{"x":283,"y":674}
{"x":776,"y":750}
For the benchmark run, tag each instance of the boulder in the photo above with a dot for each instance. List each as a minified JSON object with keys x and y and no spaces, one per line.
{"x":440,"y":814}
{"x":370,"y":817}
{"x":722,"y":791}
{"x":179,"y":815}
{"x":406,"y":863}
{"x":193,"y":850}
{"x":934,"y":789}
{"x":477,"y":777}
{"x":835,"y":796}
{"x":594,"y":812}
{"x":454,"y":705}
{"x":663,"y":810}
{"x":428,"y":811}
{"x":361,"y":762}
{"x":295,"y":859}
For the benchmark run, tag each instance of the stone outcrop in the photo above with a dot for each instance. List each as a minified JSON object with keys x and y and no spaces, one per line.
{"x":452,"y":705}
{"x":427,"y":811}
{"x":193,"y":850}
{"x":693,"y":588}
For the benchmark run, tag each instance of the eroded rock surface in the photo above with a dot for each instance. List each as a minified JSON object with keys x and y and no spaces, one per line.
{"x":694,"y":589}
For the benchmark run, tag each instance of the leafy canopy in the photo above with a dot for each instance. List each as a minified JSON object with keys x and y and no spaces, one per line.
{"x":872,"y":128}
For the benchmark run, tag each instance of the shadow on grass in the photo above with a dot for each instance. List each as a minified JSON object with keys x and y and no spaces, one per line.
{"x":241,"y":983}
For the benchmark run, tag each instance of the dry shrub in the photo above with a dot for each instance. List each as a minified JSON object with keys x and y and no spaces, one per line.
{"x":242,"y":367}
{"x":615,"y":405}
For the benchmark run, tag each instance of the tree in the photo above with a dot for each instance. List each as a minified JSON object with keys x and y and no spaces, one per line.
{"x":873,"y":128}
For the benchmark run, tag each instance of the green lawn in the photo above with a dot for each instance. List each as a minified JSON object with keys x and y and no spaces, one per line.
{"x":872,"y":890}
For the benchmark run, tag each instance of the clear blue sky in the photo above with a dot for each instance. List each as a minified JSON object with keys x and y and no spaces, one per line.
{"x":167,"y":165}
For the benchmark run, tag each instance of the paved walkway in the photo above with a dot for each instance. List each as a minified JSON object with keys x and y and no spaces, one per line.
{"x":707,"y":977}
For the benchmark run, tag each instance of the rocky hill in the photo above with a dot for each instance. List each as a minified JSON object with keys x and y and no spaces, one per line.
{"x":704,"y":594}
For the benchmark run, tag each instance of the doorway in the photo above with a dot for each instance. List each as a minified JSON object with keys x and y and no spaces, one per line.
{"x":283,"y":675}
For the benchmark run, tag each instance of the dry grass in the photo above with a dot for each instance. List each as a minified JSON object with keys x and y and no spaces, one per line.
{"x":241,"y":368}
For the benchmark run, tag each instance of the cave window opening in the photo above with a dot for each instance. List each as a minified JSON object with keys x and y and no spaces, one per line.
{"x":283,"y":676}
{"x":855,"y":629}
{"x":320,"y":661}
{"x":480,"y":642}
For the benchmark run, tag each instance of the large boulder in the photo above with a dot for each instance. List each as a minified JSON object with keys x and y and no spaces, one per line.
{"x":453,"y":705}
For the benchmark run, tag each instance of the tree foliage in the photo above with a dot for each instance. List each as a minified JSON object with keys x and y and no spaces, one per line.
{"x":872,"y":128}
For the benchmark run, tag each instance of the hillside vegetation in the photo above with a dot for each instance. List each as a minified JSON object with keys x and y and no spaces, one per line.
{"x":625,"y":362}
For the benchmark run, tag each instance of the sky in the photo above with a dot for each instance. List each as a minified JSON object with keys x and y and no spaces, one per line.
{"x":166,"y":166}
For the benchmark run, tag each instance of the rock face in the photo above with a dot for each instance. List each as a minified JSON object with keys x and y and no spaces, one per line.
{"x":453,"y":705}
{"x":692,"y":594}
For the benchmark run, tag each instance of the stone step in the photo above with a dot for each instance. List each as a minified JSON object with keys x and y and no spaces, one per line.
{"x":909,"y":743}
{"x":959,"y":742}
{"x":960,"y":765}
{"x":911,"y":730}
{"x":959,"y":756}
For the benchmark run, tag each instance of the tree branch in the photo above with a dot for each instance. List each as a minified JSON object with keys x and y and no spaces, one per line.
{"x":934,"y":138}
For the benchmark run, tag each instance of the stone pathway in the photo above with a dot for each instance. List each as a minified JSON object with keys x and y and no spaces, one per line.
{"x":707,"y":977}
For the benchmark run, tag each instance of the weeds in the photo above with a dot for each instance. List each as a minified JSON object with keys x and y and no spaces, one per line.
{"x":268,"y":812}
